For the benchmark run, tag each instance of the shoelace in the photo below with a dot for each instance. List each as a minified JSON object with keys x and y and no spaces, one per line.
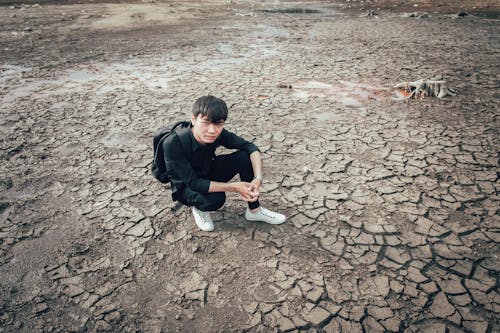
{"x":267,"y":213}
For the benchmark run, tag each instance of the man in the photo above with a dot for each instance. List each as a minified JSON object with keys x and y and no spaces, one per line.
{"x":200,"y":179}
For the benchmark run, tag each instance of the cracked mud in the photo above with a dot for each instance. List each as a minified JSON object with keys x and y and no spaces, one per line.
{"x":393,"y":206}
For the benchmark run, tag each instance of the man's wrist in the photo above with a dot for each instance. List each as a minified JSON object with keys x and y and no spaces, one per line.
{"x":259,"y":178}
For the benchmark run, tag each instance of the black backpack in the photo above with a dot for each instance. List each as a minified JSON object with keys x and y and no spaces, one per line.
{"x":158,"y":167}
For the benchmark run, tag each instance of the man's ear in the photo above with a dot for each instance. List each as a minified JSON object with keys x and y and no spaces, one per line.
{"x":193,"y":119}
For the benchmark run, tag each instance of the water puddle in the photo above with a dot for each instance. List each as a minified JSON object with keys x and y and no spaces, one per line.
{"x":114,"y":140}
{"x":101,"y":79}
{"x":23,"y":88}
{"x":11,"y":76}
{"x":125,"y":16}
{"x":137,"y":73}
{"x":348,"y":98}
{"x":9,"y":72}
{"x":60,"y":106}
{"x":226,"y":49}
{"x":349,"y":101}
{"x":312,"y":34}
{"x":291,"y":11}
{"x":338,"y":115}
{"x":258,"y":43}
{"x":492,"y":14}
{"x":328,"y":116}
{"x":349,"y":94}
{"x":82,"y":76}
{"x":69,"y":149}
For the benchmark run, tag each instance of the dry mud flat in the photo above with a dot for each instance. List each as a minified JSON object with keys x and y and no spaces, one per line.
{"x":393,"y":207}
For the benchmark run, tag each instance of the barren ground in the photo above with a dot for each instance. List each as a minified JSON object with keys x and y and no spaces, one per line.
{"x":393,"y":206}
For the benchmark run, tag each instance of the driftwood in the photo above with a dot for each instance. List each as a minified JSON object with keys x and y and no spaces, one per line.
{"x":425,"y":88}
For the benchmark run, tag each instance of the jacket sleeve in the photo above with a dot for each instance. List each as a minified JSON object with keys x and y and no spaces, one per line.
{"x":233,"y":141}
{"x":179,"y":169}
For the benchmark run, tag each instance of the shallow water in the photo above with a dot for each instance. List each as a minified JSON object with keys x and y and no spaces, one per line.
{"x":81,"y":76}
{"x":347,"y":93}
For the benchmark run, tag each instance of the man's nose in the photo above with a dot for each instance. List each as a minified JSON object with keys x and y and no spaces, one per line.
{"x":211,"y":128}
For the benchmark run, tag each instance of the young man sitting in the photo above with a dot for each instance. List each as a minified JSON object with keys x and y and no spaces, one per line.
{"x":200,"y":179}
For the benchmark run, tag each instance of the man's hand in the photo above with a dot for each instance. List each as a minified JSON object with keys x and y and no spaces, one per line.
{"x":249,"y":192}
{"x":256,"y":184}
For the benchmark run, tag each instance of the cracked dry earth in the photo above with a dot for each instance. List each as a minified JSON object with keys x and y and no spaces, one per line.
{"x":393,"y":206}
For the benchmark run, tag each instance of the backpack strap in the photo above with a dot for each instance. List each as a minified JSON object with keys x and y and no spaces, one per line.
{"x":159,"y":146}
{"x":182,"y":132}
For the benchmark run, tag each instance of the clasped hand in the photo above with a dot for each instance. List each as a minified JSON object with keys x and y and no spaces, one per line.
{"x":249,"y":192}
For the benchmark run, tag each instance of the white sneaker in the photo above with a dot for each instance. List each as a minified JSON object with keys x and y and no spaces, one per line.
{"x":203,"y":220}
{"x":265,"y":215}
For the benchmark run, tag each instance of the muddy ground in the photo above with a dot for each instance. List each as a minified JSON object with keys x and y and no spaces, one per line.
{"x":392,"y":206}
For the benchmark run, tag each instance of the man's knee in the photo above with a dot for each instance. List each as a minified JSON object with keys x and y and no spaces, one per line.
{"x":204,"y":202}
{"x":243,"y":158}
{"x":212,"y":201}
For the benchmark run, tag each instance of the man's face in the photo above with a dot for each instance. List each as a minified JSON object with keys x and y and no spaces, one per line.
{"x":204,"y":131}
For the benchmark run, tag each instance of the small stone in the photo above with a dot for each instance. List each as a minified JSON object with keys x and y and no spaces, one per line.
{"x":73,"y":291}
{"x":371,"y":325}
{"x":213,"y":289}
{"x":397,"y":286}
{"x":462,"y":300}
{"x":320,"y":233}
{"x":477,"y":326}
{"x":374,"y":228}
{"x":266,"y":308}
{"x":380,"y":313}
{"x":410,"y":290}
{"x":251,"y":308}
{"x":59,"y":273}
{"x":429,"y":287}
{"x":382,"y":285}
{"x":441,"y":308}
{"x":101,"y":325}
{"x":41,"y":307}
{"x":272,"y":263}
{"x":112,"y":317}
{"x":392,"y":324}
{"x":285,"y":324}
{"x":452,"y":286}
{"x":349,"y":326}
{"x":195,"y":295}
{"x":296,"y":291}
{"x":255,"y":319}
{"x":474,"y":284}
{"x":137,"y":230}
{"x":193,"y":283}
{"x":415,"y":275}
{"x":332,"y":327}
{"x":298,"y":322}
{"x":315,"y":294}
{"x":397,"y":255}
{"x":433,"y":327}
{"x":317,"y":316}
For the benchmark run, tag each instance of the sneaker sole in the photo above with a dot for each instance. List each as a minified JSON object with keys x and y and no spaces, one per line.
{"x":265,"y":221}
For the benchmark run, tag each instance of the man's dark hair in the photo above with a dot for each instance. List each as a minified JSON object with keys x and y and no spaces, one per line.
{"x":213,"y":108}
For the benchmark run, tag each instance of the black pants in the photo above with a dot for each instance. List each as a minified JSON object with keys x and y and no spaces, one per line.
{"x":224,"y":168}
